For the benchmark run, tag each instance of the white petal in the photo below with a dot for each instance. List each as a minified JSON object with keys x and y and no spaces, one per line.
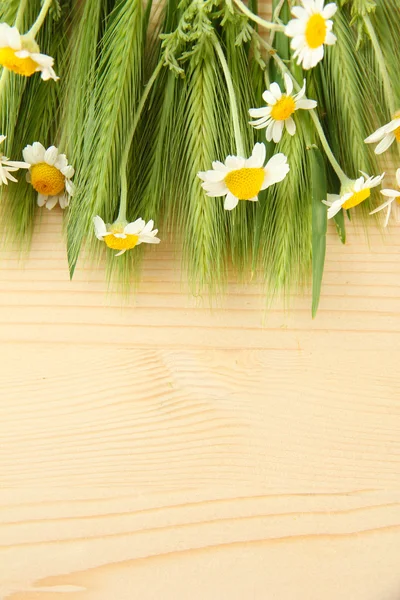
{"x":299,"y":12}
{"x":68,"y":171}
{"x":17,"y":164}
{"x":41,"y":200}
{"x":63,"y":201}
{"x":257,"y":157}
{"x":330,"y":38}
{"x":290,"y":126}
{"x":382,"y":206}
{"x":100,"y":228}
{"x":149,"y":239}
{"x":260,"y":123}
{"x":275,"y":90}
{"x":219,"y":166}
{"x":390,"y":193}
{"x":235,"y":162}
{"x":255,"y":113}
{"x":301,"y":93}
{"x":277,"y":131}
{"x":120,"y":253}
{"x":215,"y":189}
{"x":7,"y":175}
{"x":214,"y":176}
{"x":268,"y":133}
{"x":148,"y":227}
{"x":269,"y":98}
{"x":3,"y":176}
{"x":51,"y":202}
{"x":39,"y":151}
{"x":334,"y":209}
{"x":306,"y":104}
{"x":288,"y":84}
{"x":385,"y":143}
{"x":23,"y":54}
{"x":295,"y":27}
{"x":61,"y":162}
{"x":374,"y":181}
{"x":230,"y":201}
{"x":70,"y":187}
{"x":329,"y":10}
{"x":51,"y":155}
{"x":377,"y":135}
{"x":135,"y":227}
{"x":13,"y":38}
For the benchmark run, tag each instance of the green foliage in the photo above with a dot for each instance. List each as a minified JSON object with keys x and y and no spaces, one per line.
{"x":108,"y":114}
{"x":342,"y":86}
{"x":180,"y":122}
{"x":29,"y":110}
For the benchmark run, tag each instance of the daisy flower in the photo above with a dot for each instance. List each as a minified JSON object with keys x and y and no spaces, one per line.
{"x":9,"y":166}
{"x":280,"y":109}
{"x":392,"y":204}
{"x":50,"y":175}
{"x":124,"y":236}
{"x":242,"y":179}
{"x":385,"y":135}
{"x":310,"y":30}
{"x":22,"y":55}
{"x":352,"y":194}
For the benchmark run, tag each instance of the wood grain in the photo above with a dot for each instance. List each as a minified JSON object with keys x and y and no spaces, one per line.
{"x":161,"y":450}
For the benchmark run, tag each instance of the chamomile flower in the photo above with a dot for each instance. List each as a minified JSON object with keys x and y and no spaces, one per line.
{"x":9,"y":166}
{"x":393,"y":204}
{"x":310,"y":31}
{"x":242,"y":179}
{"x":281,"y":106}
{"x":385,"y":135}
{"x":21,"y":54}
{"x":124,"y":236}
{"x":352,"y":194}
{"x":50,"y":175}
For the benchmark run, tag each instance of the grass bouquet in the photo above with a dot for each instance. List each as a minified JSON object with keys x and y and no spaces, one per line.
{"x":239,"y":137}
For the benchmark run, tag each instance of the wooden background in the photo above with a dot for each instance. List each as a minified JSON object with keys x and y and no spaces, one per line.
{"x":162,"y":451}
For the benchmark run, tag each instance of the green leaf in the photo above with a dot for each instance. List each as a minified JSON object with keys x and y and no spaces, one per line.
{"x":340,"y":227}
{"x":281,"y":43}
{"x":319,"y":223}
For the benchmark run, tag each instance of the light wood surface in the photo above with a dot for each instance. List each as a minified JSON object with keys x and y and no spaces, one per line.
{"x":164,"y":451}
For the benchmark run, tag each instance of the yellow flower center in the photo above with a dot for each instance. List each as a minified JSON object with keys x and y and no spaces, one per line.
{"x":47,"y":180}
{"x":315,"y":31}
{"x":117,"y":243}
{"x":22,"y":66}
{"x":245,"y":183}
{"x":357,"y":198}
{"x":397,"y":134}
{"x":283,"y":108}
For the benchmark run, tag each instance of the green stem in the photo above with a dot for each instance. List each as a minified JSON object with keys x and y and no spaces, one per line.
{"x":276,"y":15}
{"x":232,"y":98}
{"x":382,"y":65}
{"x":20,"y":14}
{"x":266,"y":24}
{"x":324,"y":142}
{"x":32,"y":33}
{"x":125,"y":156}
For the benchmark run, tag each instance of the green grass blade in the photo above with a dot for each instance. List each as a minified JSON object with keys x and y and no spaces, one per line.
{"x":319,"y":223}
